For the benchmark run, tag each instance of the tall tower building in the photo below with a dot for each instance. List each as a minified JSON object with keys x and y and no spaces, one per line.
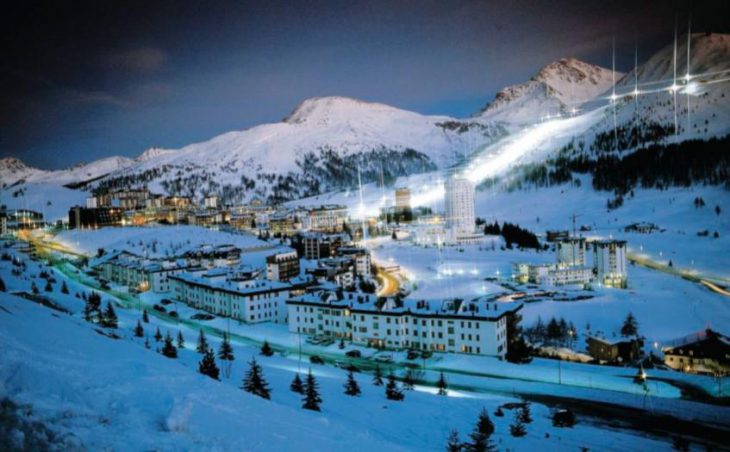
{"x":459,"y":206}
{"x":609,"y":262}
{"x":402,"y":199}
{"x":571,"y":252}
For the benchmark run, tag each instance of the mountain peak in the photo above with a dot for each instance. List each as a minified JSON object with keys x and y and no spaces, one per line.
{"x":324,"y":108}
{"x":152,"y":153}
{"x":12,"y":164}
{"x":556,"y":86}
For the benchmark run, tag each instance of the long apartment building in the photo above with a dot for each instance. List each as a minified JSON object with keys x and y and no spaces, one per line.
{"x":476,"y":326}
{"x":138,"y":273}
{"x":237,"y":297}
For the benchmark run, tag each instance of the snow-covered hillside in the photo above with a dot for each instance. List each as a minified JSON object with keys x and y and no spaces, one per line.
{"x":556,"y":89}
{"x":328,"y":143}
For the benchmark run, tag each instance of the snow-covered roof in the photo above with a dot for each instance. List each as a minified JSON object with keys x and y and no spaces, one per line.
{"x":361,"y":302}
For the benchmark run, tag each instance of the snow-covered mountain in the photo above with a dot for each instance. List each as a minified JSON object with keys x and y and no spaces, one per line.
{"x":325,"y":142}
{"x":13,"y":171}
{"x":556,"y":89}
{"x":321,"y":145}
{"x":652,"y":106}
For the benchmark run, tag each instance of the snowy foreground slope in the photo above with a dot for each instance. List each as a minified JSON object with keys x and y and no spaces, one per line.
{"x":95,"y":392}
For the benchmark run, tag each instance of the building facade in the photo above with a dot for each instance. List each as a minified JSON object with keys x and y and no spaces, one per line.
{"x":247,"y":300}
{"x":609,"y":262}
{"x":282,"y":266}
{"x":571,"y":252}
{"x":449,"y":326}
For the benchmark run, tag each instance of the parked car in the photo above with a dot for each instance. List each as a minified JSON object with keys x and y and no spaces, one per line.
{"x":412,"y":354}
{"x":314,"y":359}
{"x":384,"y":358}
{"x":174,"y":314}
{"x":159,"y":308}
{"x":353,"y":353}
{"x":202,"y":316}
{"x":165,"y":301}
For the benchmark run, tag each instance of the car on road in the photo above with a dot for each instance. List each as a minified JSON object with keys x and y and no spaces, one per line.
{"x":412,"y":354}
{"x":384,"y":358}
{"x":353,"y":353}
{"x":315,"y":359}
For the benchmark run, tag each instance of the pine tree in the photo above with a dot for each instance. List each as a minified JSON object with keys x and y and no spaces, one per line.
{"x":442,"y":385}
{"x":392,"y":392}
{"x":207,"y":365}
{"x":517,"y":427}
{"x":254,"y":381}
{"x":110,"y":316}
{"x":169,"y":349}
{"x":408,"y":380}
{"x":138,"y":330}
{"x":145,"y":317}
{"x":630,"y":326}
{"x":297,"y":385}
{"x":64,"y":288}
{"x":351,"y":386}
{"x":378,"y":376}
{"x":180,"y":339}
{"x":266,"y":349}
{"x":146,"y":342}
{"x":524,"y":414}
{"x":202,"y":343}
{"x":342,"y":344}
{"x":92,"y":308}
{"x":34,"y":288}
{"x":225,"y":353}
{"x":454,"y":444}
{"x":311,"y":395}
{"x":2,"y":285}
{"x":158,"y":335}
{"x":480,"y":436}
{"x":49,"y":286}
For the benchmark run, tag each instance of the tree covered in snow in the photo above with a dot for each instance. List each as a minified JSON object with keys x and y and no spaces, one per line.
{"x":2,"y":285}
{"x":453,"y":444}
{"x":158,"y":335}
{"x":145,"y":317}
{"x":378,"y":376}
{"x":630,"y":326}
{"x":517,"y":427}
{"x":207,"y":365}
{"x":202,"y":346}
{"x":180,"y":339}
{"x":297,"y":385}
{"x":266,"y":349}
{"x":254,"y":381}
{"x":64,"y":288}
{"x":481,"y":435}
{"x":409,"y":380}
{"x":138,"y":330}
{"x":225,"y":354}
{"x":442,"y":385}
{"x":392,"y":391}
{"x":351,"y":386}
{"x":312,"y":400}
{"x":169,"y":349}
{"x":109,"y":319}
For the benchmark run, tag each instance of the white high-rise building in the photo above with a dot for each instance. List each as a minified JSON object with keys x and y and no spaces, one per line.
{"x":459,"y":207}
{"x":609,"y":262}
{"x":571,"y":252}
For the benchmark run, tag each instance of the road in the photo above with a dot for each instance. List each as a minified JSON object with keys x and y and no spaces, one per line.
{"x":709,"y":282}
{"x":389,"y":284}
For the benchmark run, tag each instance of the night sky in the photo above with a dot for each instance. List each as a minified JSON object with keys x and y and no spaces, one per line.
{"x":84,"y":81}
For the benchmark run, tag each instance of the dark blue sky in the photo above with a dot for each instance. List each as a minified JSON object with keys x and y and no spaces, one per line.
{"x":83,"y":81}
